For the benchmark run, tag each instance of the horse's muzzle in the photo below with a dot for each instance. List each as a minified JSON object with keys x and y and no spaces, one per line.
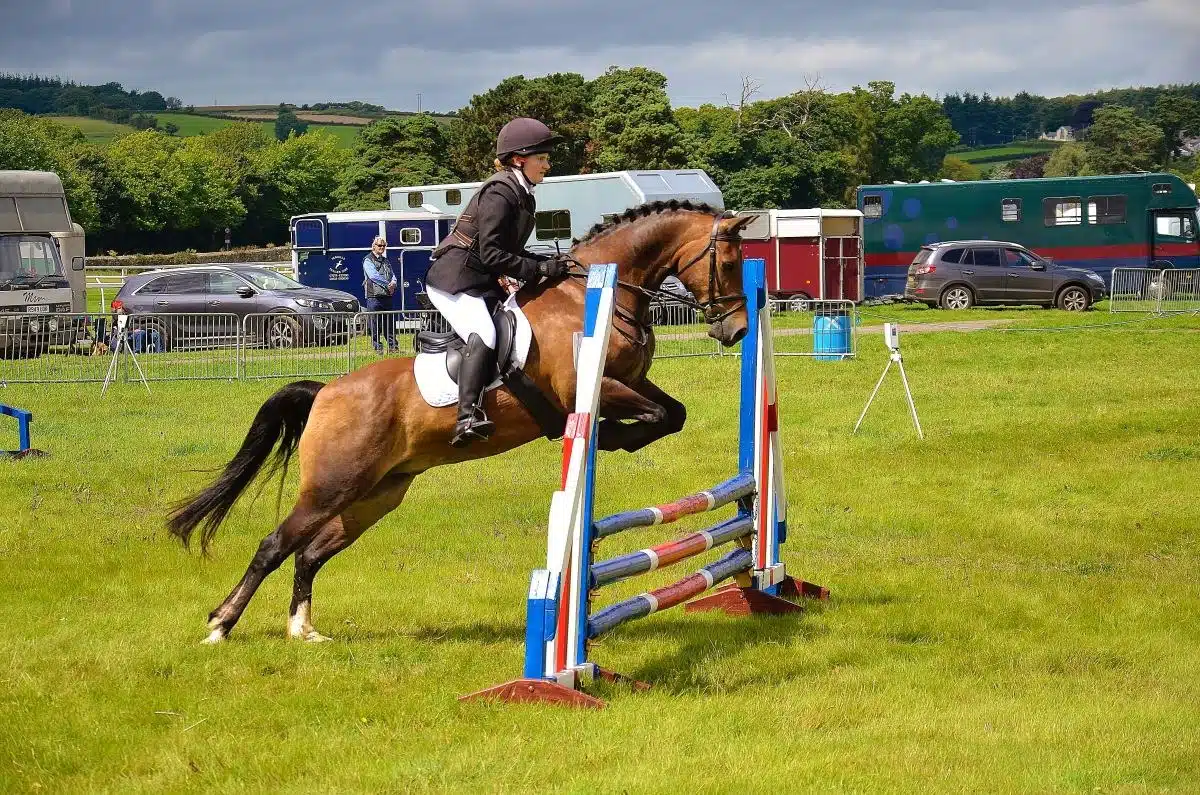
{"x":728,"y":332}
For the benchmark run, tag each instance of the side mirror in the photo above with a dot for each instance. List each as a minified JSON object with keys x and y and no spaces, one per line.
{"x":1037,"y":266}
{"x":245,"y":291}
{"x":77,"y":263}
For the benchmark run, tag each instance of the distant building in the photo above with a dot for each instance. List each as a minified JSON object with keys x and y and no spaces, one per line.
{"x":1064,"y":133}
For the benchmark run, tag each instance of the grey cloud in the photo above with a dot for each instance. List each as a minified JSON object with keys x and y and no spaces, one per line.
{"x":386,"y":52}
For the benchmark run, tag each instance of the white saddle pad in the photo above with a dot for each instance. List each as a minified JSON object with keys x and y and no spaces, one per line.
{"x":430,"y":368}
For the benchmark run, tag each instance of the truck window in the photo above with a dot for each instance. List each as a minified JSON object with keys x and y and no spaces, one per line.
{"x":1062,"y":211}
{"x":553,"y":225}
{"x":1106,"y":209}
{"x":415,"y":198}
{"x":453,"y":197}
{"x":1010,"y":210}
{"x":28,"y":257}
{"x":872,"y":205}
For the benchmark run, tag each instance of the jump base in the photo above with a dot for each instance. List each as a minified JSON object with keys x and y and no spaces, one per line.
{"x":536,"y":691}
{"x":736,"y":601}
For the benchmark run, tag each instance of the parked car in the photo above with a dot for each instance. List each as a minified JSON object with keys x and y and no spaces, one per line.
{"x":208,"y":304}
{"x":963,"y":273}
{"x":670,"y":312}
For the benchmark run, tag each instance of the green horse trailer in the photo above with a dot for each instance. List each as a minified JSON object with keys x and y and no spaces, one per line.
{"x":1099,"y":223}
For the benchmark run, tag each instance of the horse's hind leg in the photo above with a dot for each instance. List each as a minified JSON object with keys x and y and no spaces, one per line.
{"x":337,"y":534}
{"x":293,"y":532}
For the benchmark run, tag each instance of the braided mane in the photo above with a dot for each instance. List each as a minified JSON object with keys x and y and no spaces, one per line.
{"x":645,"y":211}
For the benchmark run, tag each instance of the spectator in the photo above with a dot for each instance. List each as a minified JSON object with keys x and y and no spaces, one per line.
{"x":379,"y":285}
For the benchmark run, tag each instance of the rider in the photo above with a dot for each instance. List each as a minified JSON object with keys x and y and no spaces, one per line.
{"x":487,"y":244}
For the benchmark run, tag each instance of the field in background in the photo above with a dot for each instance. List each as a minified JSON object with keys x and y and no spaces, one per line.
{"x":97,"y":131}
{"x":994,"y":155}
{"x":1015,"y":606}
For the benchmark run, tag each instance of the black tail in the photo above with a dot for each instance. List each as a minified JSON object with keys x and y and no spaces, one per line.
{"x":280,"y":421}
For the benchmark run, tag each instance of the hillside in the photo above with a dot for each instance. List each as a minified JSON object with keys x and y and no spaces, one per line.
{"x":105,"y":132}
{"x":1007,"y":153}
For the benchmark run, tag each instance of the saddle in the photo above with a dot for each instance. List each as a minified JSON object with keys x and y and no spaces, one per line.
{"x":451,"y":344}
{"x":510,"y":356}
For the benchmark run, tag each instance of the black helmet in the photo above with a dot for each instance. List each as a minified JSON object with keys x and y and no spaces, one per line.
{"x":523,"y":136}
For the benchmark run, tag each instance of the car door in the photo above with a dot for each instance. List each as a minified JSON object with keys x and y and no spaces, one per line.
{"x":181,"y":295}
{"x":985,"y":273}
{"x":1029,"y":280}
{"x":229,"y":309}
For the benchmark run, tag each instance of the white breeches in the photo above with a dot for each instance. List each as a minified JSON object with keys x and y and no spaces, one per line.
{"x":466,"y":314}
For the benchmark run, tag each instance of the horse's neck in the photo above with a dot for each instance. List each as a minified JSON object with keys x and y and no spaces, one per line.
{"x":654,"y":260}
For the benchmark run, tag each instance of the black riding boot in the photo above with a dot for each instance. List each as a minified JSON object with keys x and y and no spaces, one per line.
{"x":477,"y":368}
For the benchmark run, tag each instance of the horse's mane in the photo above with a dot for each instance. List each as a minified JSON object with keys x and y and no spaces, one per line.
{"x":645,"y":211}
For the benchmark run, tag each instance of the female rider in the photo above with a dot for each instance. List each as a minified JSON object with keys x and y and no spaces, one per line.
{"x":487,"y":244}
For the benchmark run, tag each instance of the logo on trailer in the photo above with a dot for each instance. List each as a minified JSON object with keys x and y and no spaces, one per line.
{"x":338,"y":272}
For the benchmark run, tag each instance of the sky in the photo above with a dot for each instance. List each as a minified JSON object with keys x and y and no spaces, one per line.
{"x":266,"y":51}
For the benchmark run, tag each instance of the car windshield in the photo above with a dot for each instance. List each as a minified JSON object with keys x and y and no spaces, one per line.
{"x":28,"y":258}
{"x":269,"y":280}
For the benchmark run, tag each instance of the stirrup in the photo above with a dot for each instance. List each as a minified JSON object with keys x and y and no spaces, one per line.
{"x":477,"y":427}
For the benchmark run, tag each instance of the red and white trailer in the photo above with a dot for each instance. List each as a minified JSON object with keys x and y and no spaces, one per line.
{"x":813,"y":253}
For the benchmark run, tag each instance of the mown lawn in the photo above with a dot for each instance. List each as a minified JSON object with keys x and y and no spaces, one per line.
{"x":1015,"y":606}
{"x":1007,"y":153}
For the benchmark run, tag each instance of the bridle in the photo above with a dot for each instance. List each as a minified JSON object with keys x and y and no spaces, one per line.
{"x":739,"y":299}
{"x":705,"y":307}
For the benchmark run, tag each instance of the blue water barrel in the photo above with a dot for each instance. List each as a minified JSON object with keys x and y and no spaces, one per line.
{"x":831,"y":336}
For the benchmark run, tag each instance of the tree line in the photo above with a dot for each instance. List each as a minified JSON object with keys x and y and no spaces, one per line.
{"x":149,"y":191}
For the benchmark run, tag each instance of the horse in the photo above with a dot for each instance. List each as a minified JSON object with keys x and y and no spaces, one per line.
{"x":362,"y":439}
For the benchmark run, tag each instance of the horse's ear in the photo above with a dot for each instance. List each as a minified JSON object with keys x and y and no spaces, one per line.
{"x":734,"y":226}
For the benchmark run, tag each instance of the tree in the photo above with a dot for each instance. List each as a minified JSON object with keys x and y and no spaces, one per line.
{"x":632,"y":124}
{"x":299,"y":175}
{"x":1120,"y":143}
{"x":1178,"y":116}
{"x":286,"y":123}
{"x":396,"y":150}
{"x":1030,"y":167}
{"x":171,"y":128}
{"x":1068,"y":160}
{"x":959,"y":170}
{"x":559,"y":100}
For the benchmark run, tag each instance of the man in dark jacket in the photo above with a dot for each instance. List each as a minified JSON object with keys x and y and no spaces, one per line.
{"x":486,"y":244}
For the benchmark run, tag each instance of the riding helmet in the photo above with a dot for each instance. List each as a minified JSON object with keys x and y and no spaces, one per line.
{"x":523,"y":136}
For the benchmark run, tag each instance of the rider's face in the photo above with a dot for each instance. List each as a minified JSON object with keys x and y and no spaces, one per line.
{"x":535,"y":167}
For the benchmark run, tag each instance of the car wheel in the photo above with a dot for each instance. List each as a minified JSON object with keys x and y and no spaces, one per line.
{"x":957,"y":296}
{"x":799,"y":303}
{"x":1074,"y":299}
{"x":282,"y":332}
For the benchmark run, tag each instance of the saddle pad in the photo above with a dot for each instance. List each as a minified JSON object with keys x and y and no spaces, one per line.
{"x":434,"y":382}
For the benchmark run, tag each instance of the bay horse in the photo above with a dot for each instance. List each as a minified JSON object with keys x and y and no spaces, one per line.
{"x":363,"y":438}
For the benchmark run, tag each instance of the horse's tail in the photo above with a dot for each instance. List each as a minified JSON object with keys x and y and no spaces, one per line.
{"x":279,"y":421}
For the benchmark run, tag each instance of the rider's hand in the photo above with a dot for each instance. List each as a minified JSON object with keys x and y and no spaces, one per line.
{"x":554,"y":267}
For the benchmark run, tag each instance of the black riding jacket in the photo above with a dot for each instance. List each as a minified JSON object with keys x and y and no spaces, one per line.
{"x":488,"y":240}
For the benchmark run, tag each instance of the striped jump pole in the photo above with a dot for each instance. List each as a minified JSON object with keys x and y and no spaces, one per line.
{"x":558,"y":626}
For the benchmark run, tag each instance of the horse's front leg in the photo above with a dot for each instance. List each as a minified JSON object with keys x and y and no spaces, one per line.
{"x":654,"y":413}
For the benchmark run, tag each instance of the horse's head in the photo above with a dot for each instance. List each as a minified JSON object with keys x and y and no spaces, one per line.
{"x":710,"y":265}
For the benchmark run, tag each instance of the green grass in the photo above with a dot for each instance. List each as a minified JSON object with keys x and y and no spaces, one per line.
{"x":1005,"y":154}
{"x":1015,"y":606}
{"x":97,"y":131}
{"x":105,"y":132}
{"x":194,"y":124}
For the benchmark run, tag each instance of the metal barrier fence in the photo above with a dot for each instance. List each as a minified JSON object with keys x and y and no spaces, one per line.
{"x":823,"y":329}
{"x":1154,"y":290}
{"x":78,"y":348}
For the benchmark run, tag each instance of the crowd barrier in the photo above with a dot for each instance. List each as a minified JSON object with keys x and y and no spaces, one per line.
{"x":1155,"y":290}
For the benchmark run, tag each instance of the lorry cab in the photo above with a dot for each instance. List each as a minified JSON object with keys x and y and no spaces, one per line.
{"x":36,"y":278}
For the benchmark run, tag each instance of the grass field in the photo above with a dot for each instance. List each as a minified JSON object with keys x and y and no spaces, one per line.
{"x":192,"y":124}
{"x":1005,"y":154}
{"x":1015,"y":606}
{"x":105,"y":132}
{"x":97,"y":131}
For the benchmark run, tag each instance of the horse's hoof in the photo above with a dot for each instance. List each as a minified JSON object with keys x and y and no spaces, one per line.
{"x":214,"y":637}
{"x":312,"y":636}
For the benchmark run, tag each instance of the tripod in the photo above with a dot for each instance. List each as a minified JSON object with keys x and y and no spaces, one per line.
{"x":891,"y":337}
{"x":122,"y":346}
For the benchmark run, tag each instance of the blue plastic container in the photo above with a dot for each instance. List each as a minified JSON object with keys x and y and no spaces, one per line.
{"x":831,"y":337}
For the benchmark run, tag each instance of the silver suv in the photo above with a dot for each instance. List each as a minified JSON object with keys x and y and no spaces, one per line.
{"x":963,"y":273}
